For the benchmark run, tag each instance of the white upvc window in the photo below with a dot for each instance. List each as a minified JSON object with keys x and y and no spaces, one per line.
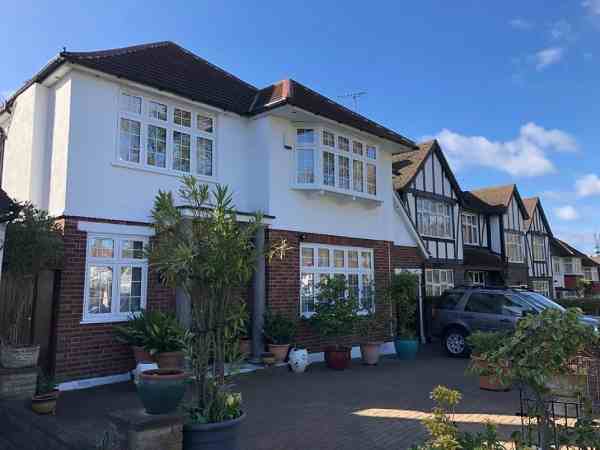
{"x":538,"y":248}
{"x":590,"y":273}
{"x":434,"y":218}
{"x":572,"y":266}
{"x":324,"y":159}
{"x":557,"y":266}
{"x":116,"y":277}
{"x":514,"y":246}
{"x":352,"y":264}
{"x":470,"y":229}
{"x":476,"y":277}
{"x":437,"y":281}
{"x":162,"y":137}
{"x":541,"y":287}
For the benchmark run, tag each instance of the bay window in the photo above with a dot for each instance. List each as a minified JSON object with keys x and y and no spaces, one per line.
{"x":164,"y":138}
{"x":352,"y":264}
{"x":116,"y":277}
{"x":514,"y":246}
{"x":437,"y":281}
{"x":434,"y":218}
{"x":470,"y":229}
{"x":324,"y":159}
{"x":572,"y":266}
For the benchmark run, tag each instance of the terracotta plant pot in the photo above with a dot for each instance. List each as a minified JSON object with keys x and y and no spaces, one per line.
{"x":338,"y":358}
{"x":369,"y":352}
{"x":245,"y":347}
{"x":161,"y":390}
{"x":170,"y":360}
{"x":45,"y":403}
{"x":280,"y":351}
{"x":141,"y":355}
{"x":489,"y":382}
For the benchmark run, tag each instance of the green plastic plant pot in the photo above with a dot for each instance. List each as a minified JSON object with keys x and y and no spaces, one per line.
{"x":213,"y":436}
{"x":406,"y":348}
{"x":161,"y":390}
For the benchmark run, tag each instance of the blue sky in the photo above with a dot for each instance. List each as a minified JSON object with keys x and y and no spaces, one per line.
{"x":510,"y":88}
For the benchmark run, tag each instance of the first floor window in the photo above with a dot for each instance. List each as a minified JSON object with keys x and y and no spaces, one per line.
{"x":321,"y":262}
{"x":129,"y":140}
{"x":181,"y":151}
{"x":514,"y":247}
{"x":157,"y":111}
{"x":357,"y":175}
{"x":328,"y":169}
{"x":590,"y":274}
{"x":116,"y":277}
{"x":305,"y":166}
{"x":371,"y":179}
{"x":344,"y":172}
{"x":470,"y":229}
{"x":538,"y":248}
{"x":182,"y":117}
{"x":541,"y":287}
{"x":204,"y":156}
{"x":434,"y":218}
{"x":572,"y":266}
{"x":328,"y":138}
{"x":131,"y":103}
{"x":157,"y":146}
{"x":476,"y":278}
{"x":437,"y":281}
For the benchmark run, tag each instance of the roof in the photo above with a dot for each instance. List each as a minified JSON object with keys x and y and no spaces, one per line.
{"x":168,"y":67}
{"x":482,"y":258}
{"x":530,"y":205}
{"x":474,"y":203}
{"x":500,"y":196}
{"x":562,"y":249}
{"x":596,"y":259}
{"x":406,"y":165}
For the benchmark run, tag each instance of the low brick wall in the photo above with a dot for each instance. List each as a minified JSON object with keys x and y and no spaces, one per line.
{"x":18,"y":383}
{"x":150,"y":432}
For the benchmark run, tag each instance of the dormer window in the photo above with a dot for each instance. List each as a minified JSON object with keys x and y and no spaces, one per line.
{"x":328,"y":164}
{"x":470,"y":229}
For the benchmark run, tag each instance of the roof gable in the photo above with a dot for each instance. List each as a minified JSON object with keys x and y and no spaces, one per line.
{"x":501,"y":196}
{"x":531,"y":204}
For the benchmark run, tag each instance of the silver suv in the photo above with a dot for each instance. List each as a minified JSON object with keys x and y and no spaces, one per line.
{"x":461,"y":311}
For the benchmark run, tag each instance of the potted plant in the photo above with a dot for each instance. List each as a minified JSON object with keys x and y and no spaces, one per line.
{"x":298,"y":360}
{"x":237,"y":332}
{"x":335,"y":313}
{"x":165,"y":340}
{"x":202,"y":248}
{"x":161,"y":390}
{"x":367,"y":328}
{"x":481,"y":344}
{"x":44,"y":401}
{"x":402,"y":295}
{"x":279,"y":331}
{"x":135,"y":334}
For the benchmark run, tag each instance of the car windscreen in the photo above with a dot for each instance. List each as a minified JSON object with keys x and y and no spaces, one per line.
{"x":539,"y":301}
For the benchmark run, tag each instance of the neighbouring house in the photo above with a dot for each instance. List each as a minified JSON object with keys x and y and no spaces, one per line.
{"x":537,"y":247}
{"x":430,"y":193}
{"x":93,"y":136}
{"x":511,"y":224}
{"x":571,"y":267}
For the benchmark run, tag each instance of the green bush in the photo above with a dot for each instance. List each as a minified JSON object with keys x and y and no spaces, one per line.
{"x":402,"y":294}
{"x":588,"y":305}
{"x":486,"y":341}
{"x":278,"y":329}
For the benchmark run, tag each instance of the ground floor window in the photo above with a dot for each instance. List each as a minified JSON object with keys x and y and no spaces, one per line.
{"x":475,"y":277}
{"x":353,"y":264}
{"x":541,"y":287}
{"x":116,"y":277}
{"x":437,"y":281}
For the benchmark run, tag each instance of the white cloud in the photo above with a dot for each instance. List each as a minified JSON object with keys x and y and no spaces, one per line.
{"x":521,"y":24}
{"x":562,"y":30}
{"x":566,"y":212}
{"x":592,"y":7}
{"x":547,"y":57}
{"x":588,"y":185}
{"x":523,"y":156}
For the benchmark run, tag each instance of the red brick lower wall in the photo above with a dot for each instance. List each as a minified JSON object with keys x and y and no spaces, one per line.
{"x":283,"y":280}
{"x":89,"y":350}
{"x":571,"y":281}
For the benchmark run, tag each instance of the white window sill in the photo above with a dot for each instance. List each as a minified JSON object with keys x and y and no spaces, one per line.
{"x":324,"y":189}
{"x":362,"y":312}
{"x":160,"y":171}
{"x":105,"y":318}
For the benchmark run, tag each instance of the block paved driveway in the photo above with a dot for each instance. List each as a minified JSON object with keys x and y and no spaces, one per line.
{"x":360,"y":408}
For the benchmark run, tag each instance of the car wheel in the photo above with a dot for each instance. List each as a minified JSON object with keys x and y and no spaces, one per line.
{"x":455,"y":343}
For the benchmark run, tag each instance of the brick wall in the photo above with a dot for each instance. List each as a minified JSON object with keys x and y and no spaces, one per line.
{"x":517,"y":274}
{"x":283,"y":280}
{"x":89,"y":350}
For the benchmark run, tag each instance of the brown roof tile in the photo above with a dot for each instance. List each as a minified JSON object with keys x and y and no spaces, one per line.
{"x":406,"y":165}
{"x":495,"y":196}
{"x":530,"y":205}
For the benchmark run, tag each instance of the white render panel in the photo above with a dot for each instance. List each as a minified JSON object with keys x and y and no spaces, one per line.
{"x":439,"y":175}
{"x":496,"y":244}
{"x":59,"y":143}
{"x":428,"y":173}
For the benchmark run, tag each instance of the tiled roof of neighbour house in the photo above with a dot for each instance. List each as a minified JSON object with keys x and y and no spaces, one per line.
{"x":562,"y":249}
{"x":168,"y":67}
{"x":473,"y":203}
{"x":291,"y":92}
{"x":406,"y":165}
{"x":500,"y":196}
{"x":596,"y":259}
{"x":482,"y":258}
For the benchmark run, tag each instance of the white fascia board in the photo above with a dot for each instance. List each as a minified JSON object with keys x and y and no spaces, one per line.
{"x":114,"y":228}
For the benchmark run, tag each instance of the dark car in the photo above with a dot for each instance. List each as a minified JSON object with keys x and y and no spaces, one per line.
{"x":461,"y":311}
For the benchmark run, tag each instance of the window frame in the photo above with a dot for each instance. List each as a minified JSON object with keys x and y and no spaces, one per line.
{"x":447,"y":218}
{"x":514,"y":245}
{"x":326,"y":141}
{"x":431,"y":284}
{"x":472,"y":227}
{"x":545,"y":291}
{"x":538,"y":244}
{"x":476,"y":274}
{"x":332,"y":270}
{"x":146,"y":120}
{"x":116,"y":262}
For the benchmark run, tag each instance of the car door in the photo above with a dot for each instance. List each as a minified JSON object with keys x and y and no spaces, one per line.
{"x":513,"y":308}
{"x":483,"y":311}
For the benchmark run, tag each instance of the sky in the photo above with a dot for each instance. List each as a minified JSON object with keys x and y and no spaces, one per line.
{"x":510,"y":89}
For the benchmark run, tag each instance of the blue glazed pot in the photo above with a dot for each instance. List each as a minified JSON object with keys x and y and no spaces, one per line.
{"x":406,"y":348}
{"x":161,"y":390}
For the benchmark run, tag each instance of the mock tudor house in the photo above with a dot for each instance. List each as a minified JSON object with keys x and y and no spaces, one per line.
{"x":430,"y":193}
{"x":93,"y":136}
{"x":569,"y":266}
{"x":537,"y":247}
